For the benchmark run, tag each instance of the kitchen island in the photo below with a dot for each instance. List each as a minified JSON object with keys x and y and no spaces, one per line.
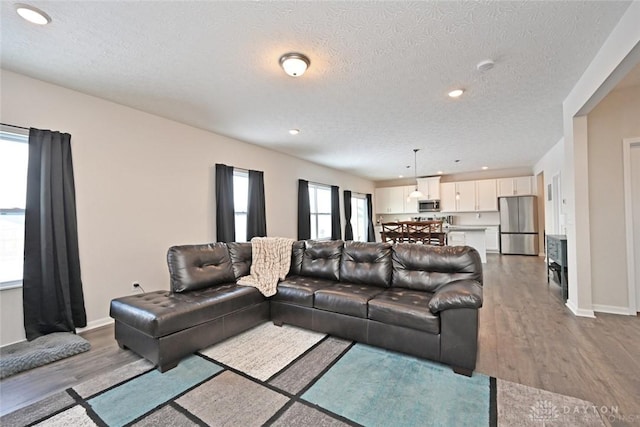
{"x":474,"y":236}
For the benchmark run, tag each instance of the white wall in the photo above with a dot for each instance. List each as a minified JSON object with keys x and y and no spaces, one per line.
{"x":616,"y":117}
{"x":550,"y":165}
{"x":618,"y":53}
{"x":144,"y":183}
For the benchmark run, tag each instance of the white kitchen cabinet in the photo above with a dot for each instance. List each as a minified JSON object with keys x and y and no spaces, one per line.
{"x":395,"y":200}
{"x":486,"y":195}
{"x":457,"y":196}
{"x":492,"y":238}
{"x":516,"y":186}
{"x":430,"y":187}
{"x":469,"y":196}
{"x":410,"y":205}
{"x":448,"y":197}
{"x":466,"y":196}
{"x":389,"y":200}
{"x":505,"y":187}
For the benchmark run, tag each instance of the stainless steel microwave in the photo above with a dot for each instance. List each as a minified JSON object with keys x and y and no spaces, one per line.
{"x":429,"y":206}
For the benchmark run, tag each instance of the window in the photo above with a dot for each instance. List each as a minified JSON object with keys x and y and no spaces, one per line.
{"x":320,"y":207}
{"x":14,"y":157}
{"x":240,"y":203}
{"x":359,"y":217}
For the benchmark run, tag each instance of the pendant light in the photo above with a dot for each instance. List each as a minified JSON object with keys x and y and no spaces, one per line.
{"x":415,"y":194}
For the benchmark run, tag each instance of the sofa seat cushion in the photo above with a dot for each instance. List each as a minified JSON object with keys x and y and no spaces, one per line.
{"x":161,"y":313}
{"x":346,"y":298}
{"x":405,"y":307}
{"x":299,"y":290}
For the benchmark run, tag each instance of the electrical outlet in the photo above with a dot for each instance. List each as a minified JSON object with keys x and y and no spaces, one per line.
{"x":137,"y":287}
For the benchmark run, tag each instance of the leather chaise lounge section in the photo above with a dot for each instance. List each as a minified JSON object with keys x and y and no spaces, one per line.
{"x":204,"y":306}
{"x":417,"y":299}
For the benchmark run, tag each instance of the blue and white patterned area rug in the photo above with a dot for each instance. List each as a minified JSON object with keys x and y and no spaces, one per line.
{"x":286,"y":376}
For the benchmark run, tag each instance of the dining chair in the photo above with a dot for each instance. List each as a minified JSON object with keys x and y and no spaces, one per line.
{"x":418,"y":232}
{"x":392,"y":232}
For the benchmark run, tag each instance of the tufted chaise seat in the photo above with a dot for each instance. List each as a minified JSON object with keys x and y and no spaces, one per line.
{"x":204,"y":306}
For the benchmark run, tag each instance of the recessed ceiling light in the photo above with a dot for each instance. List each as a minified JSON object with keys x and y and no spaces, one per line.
{"x":294,"y":131}
{"x":440,"y":172}
{"x":456,"y":93}
{"x":32,"y":14}
{"x":484,"y":168}
{"x":294,"y":64}
{"x":400,"y":176}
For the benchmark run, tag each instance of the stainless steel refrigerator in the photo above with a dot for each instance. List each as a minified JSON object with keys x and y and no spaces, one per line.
{"x":518,"y":225}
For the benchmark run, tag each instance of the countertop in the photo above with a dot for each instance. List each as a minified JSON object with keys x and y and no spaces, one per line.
{"x":468,"y":227}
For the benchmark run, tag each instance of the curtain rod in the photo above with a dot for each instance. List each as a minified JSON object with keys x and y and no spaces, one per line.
{"x":14,"y":126}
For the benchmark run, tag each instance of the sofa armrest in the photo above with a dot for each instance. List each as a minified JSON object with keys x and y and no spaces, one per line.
{"x":457,"y":294}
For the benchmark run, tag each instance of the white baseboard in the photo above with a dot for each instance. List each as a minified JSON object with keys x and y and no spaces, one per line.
{"x":95,"y":324}
{"x":11,"y":343}
{"x":612,"y":309}
{"x":579,"y":311}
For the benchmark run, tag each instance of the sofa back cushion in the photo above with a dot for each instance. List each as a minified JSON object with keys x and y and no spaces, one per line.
{"x":366,"y":263}
{"x":194,"y":267}
{"x":240,"y":254}
{"x":322,"y":259}
{"x":297,"y":250}
{"x":425,"y":267}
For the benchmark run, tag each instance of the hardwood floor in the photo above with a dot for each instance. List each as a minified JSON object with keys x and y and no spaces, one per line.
{"x":527,"y":336}
{"x":30,"y":386}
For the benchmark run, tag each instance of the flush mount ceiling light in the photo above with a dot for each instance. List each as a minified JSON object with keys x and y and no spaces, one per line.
{"x":415,"y":194}
{"x":294,"y":131}
{"x":294,"y":64}
{"x":456,"y":93}
{"x":32,"y":14}
{"x":485,"y":65}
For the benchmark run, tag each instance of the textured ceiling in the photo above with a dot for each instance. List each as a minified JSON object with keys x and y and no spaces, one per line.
{"x":376,"y":87}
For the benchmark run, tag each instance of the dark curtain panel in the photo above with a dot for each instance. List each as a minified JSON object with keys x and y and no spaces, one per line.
{"x":304,"y":210}
{"x":371,"y":233}
{"x":53,"y":300}
{"x":256,"y":216}
{"x":336,"y":232}
{"x":225,"y":214}
{"x":348,"y":231}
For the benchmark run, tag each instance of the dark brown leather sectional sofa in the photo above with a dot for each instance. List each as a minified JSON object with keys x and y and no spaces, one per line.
{"x":416,"y":299}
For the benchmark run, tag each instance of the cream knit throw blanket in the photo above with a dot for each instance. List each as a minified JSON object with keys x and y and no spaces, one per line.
{"x":270,"y":262}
